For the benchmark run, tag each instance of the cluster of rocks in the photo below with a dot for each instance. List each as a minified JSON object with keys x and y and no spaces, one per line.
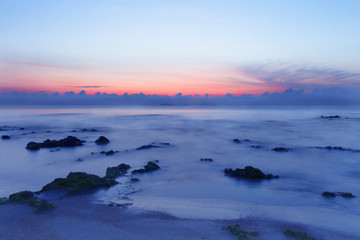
{"x":338,"y":194}
{"x":248,"y":172}
{"x":69,"y":141}
{"x":330,"y":148}
{"x":252,"y":235}
{"x":152,"y":145}
{"x":238,"y":141}
{"x":331,"y":117}
{"x":206,"y":160}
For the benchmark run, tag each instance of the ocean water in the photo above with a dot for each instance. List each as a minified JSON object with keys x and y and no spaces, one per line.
{"x":185,"y":186}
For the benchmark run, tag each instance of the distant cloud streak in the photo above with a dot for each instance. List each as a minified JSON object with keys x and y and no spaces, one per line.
{"x":320,"y":96}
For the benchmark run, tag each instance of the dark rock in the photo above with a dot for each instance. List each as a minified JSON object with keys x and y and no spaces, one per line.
{"x":135,"y":180}
{"x":298,"y":235}
{"x":280,"y":149}
{"x":143,"y":147}
{"x":77,"y":182}
{"x":70,"y":141}
{"x":248,"y":173}
{"x":335,"y":116}
{"x":79,"y":160}
{"x":149,"y":167}
{"x":102,"y":140}
{"x":241,"y":234}
{"x":340,"y":194}
{"x":206,"y":160}
{"x":5,"y":137}
{"x":247,"y":140}
{"x":33,"y":146}
{"x":22,"y":128}
{"x":55,"y":150}
{"x":256,"y":146}
{"x":28,"y":198}
{"x":236,"y":140}
{"x":88,"y":130}
{"x":165,"y":144}
{"x":328,"y":194}
{"x":114,"y":172}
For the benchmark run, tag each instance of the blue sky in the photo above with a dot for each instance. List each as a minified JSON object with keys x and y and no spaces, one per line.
{"x":128,"y":44}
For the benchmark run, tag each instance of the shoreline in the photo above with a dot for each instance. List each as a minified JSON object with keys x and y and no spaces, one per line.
{"x":77,"y":217}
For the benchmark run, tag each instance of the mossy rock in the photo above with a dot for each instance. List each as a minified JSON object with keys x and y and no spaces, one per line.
{"x":240,"y":234}
{"x":298,"y":235}
{"x":114,"y":172}
{"x":149,"y":167}
{"x":77,"y":182}
{"x":28,"y":198}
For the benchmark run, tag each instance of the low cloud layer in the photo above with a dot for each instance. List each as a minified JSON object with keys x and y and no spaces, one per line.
{"x":320,"y":96}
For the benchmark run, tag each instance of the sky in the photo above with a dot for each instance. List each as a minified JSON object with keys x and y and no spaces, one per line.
{"x":169,"y":47}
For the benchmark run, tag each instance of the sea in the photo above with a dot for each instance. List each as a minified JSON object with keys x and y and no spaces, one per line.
{"x":185,"y":186}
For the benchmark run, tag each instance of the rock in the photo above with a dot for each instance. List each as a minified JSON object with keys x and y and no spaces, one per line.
{"x":135,"y":180}
{"x":70,"y":141}
{"x":335,"y":116}
{"x":256,"y":146}
{"x":340,"y":194}
{"x":248,"y":172}
{"x":143,"y":147}
{"x":236,"y":140}
{"x":28,"y":198}
{"x":149,"y":167}
{"x":114,"y":172}
{"x":88,"y":130}
{"x":280,"y":149}
{"x":102,"y":140}
{"x":240,"y":234}
{"x":5,"y":137}
{"x":77,"y":182}
{"x":328,"y":194}
{"x":206,"y":160}
{"x":298,"y":235}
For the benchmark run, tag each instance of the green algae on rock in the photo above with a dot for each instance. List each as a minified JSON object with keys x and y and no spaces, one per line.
{"x":240,"y":234}
{"x":28,"y":198}
{"x":149,"y":167}
{"x":114,"y":172}
{"x":298,"y":235}
{"x":77,"y":182}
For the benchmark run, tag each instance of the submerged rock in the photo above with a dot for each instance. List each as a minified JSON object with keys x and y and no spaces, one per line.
{"x":149,"y":167}
{"x":5,"y":137}
{"x":147,"y":147}
{"x":70,"y":141}
{"x":88,"y":130}
{"x":102,"y":140}
{"x":28,"y":198}
{"x":298,"y":235}
{"x":206,"y":160}
{"x":236,"y":140}
{"x":77,"y":182}
{"x":248,"y":172}
{"x":335,"y":116}
{"x":280,"y":149}
{"x":240,"y":234}
{"x":340,"y":194}
{"x":111,"y":152}
{"x":114,"y":172}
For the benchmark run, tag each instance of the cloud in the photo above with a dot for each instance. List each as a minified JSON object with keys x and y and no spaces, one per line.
{"x":300,"y":77}
{"x":319,"y":96}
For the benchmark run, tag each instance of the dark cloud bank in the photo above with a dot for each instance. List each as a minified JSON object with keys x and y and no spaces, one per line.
{"x":321,"y":96}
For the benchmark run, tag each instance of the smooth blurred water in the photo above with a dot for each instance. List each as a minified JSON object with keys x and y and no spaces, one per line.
{"x":185,"y":186}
